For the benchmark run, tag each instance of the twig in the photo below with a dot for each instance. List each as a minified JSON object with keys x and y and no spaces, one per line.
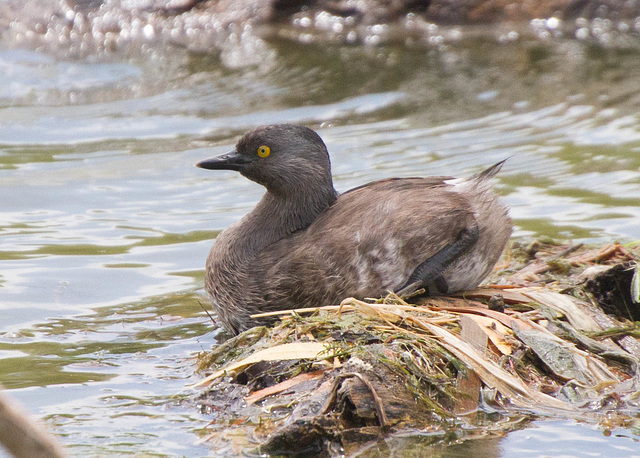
{"x":298,"y":311}
{"x":22,"y":437}
{"x":350,"y":304}
{"x":564,"y":253}
{"x":207,"y":312}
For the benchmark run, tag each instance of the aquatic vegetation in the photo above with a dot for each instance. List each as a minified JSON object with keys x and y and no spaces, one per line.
{"x":338,"y":377}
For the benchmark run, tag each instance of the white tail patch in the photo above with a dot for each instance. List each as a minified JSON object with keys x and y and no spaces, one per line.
{"x":456,"y":181}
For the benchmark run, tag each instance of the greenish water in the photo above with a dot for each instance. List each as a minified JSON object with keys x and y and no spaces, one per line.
{"x":105,"y":224}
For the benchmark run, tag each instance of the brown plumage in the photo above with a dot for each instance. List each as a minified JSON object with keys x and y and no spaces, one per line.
{"x":304,"y":245}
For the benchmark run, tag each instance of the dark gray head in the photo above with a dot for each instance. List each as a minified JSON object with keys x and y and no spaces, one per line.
{"x":284,"y":158}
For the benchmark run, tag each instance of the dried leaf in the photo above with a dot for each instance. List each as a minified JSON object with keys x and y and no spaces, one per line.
{"x":494,"y":376}
{"x":635,"y":285}
{"x":507,"y":320}
{"x":566,"y":306}
{"x":564,"y":359}
{"x":510,"y":296}
{"x":285,"y":385}
{"x":389,"y":313}
{"x":294,"y":350}
{"x":496,"y":331}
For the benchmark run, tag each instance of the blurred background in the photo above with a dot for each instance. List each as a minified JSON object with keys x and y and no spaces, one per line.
{"x":105,"y":224}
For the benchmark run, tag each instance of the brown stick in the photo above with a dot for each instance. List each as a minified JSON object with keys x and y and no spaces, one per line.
{"x":23,"y":437}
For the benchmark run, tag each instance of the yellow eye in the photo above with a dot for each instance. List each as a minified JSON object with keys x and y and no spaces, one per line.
{"x":264,"y":151}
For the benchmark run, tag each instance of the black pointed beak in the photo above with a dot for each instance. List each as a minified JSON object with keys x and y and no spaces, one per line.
{"x":229,"y":161}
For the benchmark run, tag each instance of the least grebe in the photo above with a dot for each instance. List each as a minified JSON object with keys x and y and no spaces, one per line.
{"x":305,"y":245}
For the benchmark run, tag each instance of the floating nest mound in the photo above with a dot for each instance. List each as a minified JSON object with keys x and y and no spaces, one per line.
{"x":555,"y":334}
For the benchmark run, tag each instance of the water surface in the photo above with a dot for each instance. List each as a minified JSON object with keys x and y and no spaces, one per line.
{"x":105,"y":224}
